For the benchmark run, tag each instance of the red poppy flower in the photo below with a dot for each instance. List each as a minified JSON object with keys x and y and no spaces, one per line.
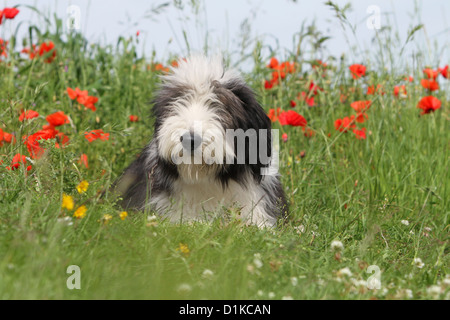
{"x":10,"y":13}
{"x":308,"y":132}
{"x":82,"y":95}
{"x":90,"y":103}
{"x":305,"y":97}
{"x":360,"y":134}
{"x":372,"y":90}
{"x":29,"y":114}
{"x":160,"y":67}
{"x":279,"y":74}
{"x":34,"y":148}
{"x":361,"y":117}
{"x":83,"y":98}
{"x":48,"y":132}
{"x":61,"y":140}
{"x":96,"y":134}
{"x":57,"y":119}
{"x":401,"y":88}
{"x":274,"y":63}
{"x":281,"y":70}
{"x":73,"y":94}
{"x":17,"y":160}
{"x":84,"y":160}
{"x":45,"y":48}
{"x":361,"y":106}
{"x":409,"y":78}
{"x":134,"y":118}
{"x":430,"y":73}
{"x":357,"y":71}
{"x":343,"y":125}
{"x":287,"y":67}
{"x":3,"y":44}
{"x":273,"y":115}
{"x":268,"y":84}
{"x":314,"y":88}
{"x":431,"y":85}
{"x":9,"y":137}
{"x":292,"y":118}
{"x":444,"y":71}
{"x":32,"y":52}
{"x":284,"y":137}
{"x":32,"y":141}
{"x":343,"y":97}
{"x":429,"y":104}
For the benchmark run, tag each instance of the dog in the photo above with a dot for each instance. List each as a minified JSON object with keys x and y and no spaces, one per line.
{"x":211,"y":153}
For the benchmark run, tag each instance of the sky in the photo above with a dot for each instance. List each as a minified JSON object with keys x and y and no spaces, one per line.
{"x":226,"y":25}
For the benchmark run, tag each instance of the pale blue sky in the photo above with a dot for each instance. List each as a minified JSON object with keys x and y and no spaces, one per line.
{"x":274,"y":22}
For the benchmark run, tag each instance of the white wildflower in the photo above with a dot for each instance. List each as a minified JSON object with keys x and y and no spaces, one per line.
{"x":184,"y":288}
{"x":337,"y":245}
{"x":257,"y":260}
{"x":300,"y":229}
{"x":207,"y":274}
{"x":405,"y":222}
{"x":434,"y":291}
{"x":404,"y":294}
{"x":418,"y":263}
{"x":294,"y":281}
{"x":320,"y":282}
{"x":344,"y":272}
{"x":408,"y":293}
{"x":446,"y":281}
{"x":66,"y":221}
{"x":359,"y":283}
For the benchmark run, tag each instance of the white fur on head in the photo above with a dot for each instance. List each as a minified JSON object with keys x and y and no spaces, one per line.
{"x":198,"y":72}
{"x":195,"y":110}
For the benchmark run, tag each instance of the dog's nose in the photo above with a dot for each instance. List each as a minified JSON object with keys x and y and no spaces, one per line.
{"x":190,"y":141}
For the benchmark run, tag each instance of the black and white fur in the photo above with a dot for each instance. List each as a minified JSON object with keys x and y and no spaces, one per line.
{"x":199,"y":90}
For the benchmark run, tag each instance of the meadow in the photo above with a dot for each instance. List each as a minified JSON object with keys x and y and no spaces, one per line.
{"x":363,"y":156}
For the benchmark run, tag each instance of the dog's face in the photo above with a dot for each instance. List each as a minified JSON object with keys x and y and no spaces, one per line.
{"x":203,"y":114}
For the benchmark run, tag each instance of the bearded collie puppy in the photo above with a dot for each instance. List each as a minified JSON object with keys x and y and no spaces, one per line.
{"x":213,"y":153}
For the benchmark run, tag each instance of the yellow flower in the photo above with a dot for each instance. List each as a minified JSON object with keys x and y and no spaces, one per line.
{"x":80,"y":213}
{"x":183,"y":248}
{"x":106,"y":218}
{"x":123,"y":215}
{"x":67,"y":202}
{"x":83,"y":186}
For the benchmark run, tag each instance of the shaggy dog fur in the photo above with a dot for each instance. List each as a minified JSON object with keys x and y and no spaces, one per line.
{"x":198,"y":102}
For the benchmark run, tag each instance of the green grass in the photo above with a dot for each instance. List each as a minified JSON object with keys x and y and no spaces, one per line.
{"x":354,"y":191}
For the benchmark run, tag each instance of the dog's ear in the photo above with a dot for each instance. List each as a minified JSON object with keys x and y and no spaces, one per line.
{"x":165,"y":95}
{"x":252,"y":116}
